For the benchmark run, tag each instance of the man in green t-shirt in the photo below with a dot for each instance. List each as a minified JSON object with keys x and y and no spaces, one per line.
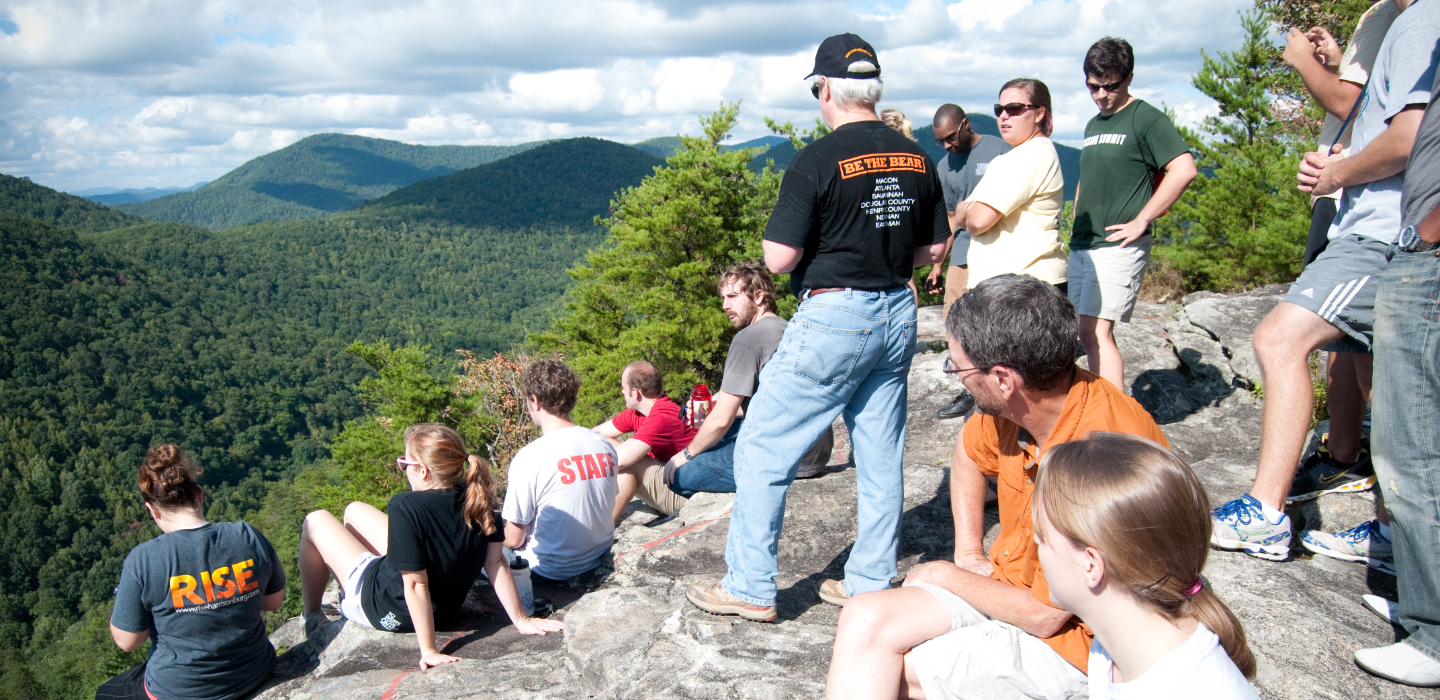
{"x":1126,"y":146}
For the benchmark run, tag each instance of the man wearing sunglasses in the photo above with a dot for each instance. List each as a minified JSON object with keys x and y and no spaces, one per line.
{"x":858,"y":211}
{"x":968,"y":156}
{"x":1128,"y":147}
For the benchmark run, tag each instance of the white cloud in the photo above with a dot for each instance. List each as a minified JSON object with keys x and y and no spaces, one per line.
{"x":168,"y":92}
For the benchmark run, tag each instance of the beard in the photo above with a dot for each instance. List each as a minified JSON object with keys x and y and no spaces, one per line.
{"x":987,"y":406}
{"x":744,"y":317}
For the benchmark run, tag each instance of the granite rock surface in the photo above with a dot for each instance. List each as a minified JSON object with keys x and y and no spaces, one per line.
{"x":631,"y":634}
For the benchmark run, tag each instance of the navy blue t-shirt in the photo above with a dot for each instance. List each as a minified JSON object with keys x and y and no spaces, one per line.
{"x":198,"y":592}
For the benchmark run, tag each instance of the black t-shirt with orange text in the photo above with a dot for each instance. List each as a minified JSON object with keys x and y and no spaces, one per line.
{"x":859,"y":201}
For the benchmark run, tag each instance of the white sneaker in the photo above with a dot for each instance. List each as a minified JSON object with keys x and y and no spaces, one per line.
{"x":1401,"y":663}
{"x":1382,"y":607}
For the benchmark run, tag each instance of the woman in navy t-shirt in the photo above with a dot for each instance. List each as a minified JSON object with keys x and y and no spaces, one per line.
{"x":199,"y":589}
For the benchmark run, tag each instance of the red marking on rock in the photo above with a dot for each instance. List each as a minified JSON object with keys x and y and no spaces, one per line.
{"x":677,"y":533}
{"x":390,"y":692}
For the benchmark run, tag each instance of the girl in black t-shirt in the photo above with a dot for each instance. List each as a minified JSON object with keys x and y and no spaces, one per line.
{"x":405,"y":571}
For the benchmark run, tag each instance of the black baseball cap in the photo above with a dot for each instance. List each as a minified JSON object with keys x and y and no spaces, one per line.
{"x":836,"y":53}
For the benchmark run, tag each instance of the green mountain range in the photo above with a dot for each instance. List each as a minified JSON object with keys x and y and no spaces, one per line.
{"x":20,"y":196}
{"x":314,"y":177}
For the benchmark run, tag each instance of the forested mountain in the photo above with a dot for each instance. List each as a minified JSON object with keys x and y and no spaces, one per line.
{"x":21,"y":196}
{"x":112,"y":196}
{"x":562,"y":183}
{"x":313,"y":177}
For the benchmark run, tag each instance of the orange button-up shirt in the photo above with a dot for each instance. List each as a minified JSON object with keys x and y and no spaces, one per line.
{"x":1001,"y":448}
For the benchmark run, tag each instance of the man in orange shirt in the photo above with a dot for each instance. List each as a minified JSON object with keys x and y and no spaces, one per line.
{"x":991,"y":628}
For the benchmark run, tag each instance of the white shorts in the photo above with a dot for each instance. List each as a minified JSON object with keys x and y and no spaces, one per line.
{"x":985,"y":659}
{"x":352,"y":585}
{"x":1105,"y":282}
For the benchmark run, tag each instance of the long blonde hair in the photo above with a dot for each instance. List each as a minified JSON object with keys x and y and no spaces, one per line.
{"x":442,"y":450}
{"x":1148,"y":515}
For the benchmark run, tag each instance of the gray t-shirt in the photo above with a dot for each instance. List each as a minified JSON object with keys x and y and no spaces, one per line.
{"x":959,"y":174}
{"x":749,"y":351}
{"x":1403,"y":75}
{"x":199,"y":593}
{"x":1422,"y":175}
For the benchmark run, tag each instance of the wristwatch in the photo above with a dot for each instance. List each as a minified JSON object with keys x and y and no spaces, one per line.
{"x":686,"y":452}
{"x":1411,"y":242}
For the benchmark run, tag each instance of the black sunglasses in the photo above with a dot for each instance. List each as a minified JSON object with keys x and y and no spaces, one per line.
{"x":1013,"y":109}
{"x":1110,"y":87}
{"x":942,"y":140}
{"x":815,"y":88}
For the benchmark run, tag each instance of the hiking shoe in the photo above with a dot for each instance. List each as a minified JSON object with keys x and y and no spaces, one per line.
{"x":833,"y":592}
{"x":1386,"y":609}
{"x":963,"y":404}
{"x":1322,"y":474}
{"x":1360,"y":543}
{"x":712,"y":598}
{"x":1241,"y":524}
{"x":314,"y":620}
{"x":1401,"y":663}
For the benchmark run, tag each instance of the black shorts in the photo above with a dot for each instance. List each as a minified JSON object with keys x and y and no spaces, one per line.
{"x":129,"y":685}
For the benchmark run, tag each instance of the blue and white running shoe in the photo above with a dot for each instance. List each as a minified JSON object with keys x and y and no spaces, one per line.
{"x":1241,"y":524}
{"x":1360,"y":543}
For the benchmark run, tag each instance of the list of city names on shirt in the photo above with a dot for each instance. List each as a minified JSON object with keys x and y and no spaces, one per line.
{"x":887,"y":202}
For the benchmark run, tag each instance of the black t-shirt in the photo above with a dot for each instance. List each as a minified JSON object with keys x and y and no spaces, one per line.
{"x":859,"y":202}
{"x":427,"y":533}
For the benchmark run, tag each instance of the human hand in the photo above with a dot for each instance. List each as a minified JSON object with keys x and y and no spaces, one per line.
{"x":538,"y":626}
{"x":977,"y":563}
{"x":933,"y":283}
{"x":1327,"y":50}
{"x":1298,"y":48}
{"x":1315,"y":174}
{"x":429,"y":659}
{"x":1127,"y":233}
{"x":673,"y":466}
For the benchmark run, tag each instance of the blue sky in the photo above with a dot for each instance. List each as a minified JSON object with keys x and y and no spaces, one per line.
{"x":156,"y":93}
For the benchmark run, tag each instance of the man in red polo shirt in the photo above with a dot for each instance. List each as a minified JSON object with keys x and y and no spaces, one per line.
{"x":654,"y":419}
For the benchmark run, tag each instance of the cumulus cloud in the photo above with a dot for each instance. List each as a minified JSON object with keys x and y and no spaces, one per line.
{"x":168,"y":92}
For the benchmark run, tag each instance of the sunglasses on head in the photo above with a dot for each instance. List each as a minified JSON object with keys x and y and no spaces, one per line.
{"x":1013,"y":109}
{"x":1109,"y":87}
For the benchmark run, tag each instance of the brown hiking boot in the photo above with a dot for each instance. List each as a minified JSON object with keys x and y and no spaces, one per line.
{"x":833,"y":592}
{"x":712,"y":598}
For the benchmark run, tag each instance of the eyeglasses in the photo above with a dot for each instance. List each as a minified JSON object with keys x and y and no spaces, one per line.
{"x":1110,"y":87}
{"x":952,"y":138}
{"x":1013,"y":109}
{"x":949,"y":367}
{"x":401,"y":464}
{"x":815,"y":88}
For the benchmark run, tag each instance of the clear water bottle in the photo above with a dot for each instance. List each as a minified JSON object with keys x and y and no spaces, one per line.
{"x":520,"y":571}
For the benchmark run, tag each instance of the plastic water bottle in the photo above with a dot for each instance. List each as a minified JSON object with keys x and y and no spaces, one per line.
{"x":520,"y":571}
{"x":699,"y":405}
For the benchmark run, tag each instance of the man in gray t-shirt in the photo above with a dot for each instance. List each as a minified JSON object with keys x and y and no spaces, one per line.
{"x":969,"y":156}
{"x":707,"y":464}
{"x":1332,"y":306}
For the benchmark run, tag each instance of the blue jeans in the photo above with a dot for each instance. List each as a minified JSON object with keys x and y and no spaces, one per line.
{"x":844,"y":351}
{"x":712,"y":471}
{"x":1406,"y":436}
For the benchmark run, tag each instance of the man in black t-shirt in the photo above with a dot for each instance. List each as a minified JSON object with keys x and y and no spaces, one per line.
{"x":859,"y":209}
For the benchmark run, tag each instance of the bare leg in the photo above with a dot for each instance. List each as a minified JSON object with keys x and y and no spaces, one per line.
{"x":957,"y":280}
{"x":876,"y":630}
{"x":1347,"y":406}
{"x":326,"y":548}
{"x":1283,"y":344}
{"x":1101,"y":352}
{"x":910,"y":688}
{"x":369,"y":525}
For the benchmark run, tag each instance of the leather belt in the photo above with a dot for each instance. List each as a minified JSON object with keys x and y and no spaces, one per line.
{"x":823,"y":290}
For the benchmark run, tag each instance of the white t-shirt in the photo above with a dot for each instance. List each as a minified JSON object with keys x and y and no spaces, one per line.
{"x":1026,"y":187}
{"x":1198,"y":669}
{"x":562,"y":488}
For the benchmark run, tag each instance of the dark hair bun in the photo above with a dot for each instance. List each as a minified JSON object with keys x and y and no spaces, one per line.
{"x":168,"y":478}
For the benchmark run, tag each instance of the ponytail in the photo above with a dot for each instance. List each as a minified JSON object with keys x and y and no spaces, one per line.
{"x":1212,"y":612}
{"x":479,"y":495}
{"x":442,"y":450}
{"x":169,"y":479}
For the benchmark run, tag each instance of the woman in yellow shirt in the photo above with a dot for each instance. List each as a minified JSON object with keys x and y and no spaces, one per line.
{"x":1014,"y":214}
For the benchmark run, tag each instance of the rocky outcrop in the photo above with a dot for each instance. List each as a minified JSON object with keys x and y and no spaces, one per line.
{"x":631,"y":634}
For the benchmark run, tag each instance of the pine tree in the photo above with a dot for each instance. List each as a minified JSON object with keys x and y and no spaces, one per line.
{"x":1243,"y":224}
{"x":649,"y":292}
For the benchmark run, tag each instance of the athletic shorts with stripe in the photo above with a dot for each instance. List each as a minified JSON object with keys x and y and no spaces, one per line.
{"x":1339,"y":286}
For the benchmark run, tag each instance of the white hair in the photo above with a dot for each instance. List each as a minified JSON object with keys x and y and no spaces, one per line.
{"x":852,"y":93}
